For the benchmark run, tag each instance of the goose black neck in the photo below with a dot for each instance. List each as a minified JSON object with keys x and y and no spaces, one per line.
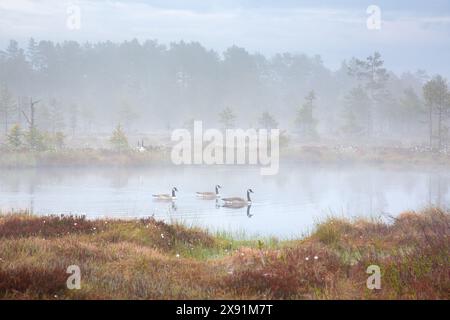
{"x":217,"y":190}
{"x":173,"y":193}
{"x":248,"y":196}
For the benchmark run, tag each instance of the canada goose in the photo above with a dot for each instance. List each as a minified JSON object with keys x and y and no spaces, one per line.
{"x":237,"y":202}
{"x":166,"y":197}
{"x":209,"y":195}
{"x":141,"y":147}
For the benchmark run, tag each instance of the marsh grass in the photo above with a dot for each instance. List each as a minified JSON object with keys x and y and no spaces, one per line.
{"x":83,"y":157}
{"x":150,"y":259}
{"x":80,"y":158}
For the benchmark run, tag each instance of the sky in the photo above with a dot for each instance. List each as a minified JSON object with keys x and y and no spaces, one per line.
{"x":412,"y":35}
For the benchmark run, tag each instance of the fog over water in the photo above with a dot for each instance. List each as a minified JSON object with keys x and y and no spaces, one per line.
{"x":285,"y":205}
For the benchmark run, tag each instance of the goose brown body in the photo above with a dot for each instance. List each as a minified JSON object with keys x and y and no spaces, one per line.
{"x":237,"y":202}
{"x":209,"y":194}
{"x":166,"y":196}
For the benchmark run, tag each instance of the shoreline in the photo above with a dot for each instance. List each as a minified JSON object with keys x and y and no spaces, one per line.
{"x":104,"y":158}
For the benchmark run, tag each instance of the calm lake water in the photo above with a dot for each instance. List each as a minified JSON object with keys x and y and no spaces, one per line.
{"x":285,"y":205}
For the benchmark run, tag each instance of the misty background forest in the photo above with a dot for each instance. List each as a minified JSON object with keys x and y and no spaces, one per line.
{"x":69,"y":91}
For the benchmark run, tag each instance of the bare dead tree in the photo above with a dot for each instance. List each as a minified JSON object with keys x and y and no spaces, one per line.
{"x":30,"y":119}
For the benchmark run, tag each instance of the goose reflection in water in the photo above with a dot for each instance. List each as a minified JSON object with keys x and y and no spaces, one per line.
{"x":248,"y":211}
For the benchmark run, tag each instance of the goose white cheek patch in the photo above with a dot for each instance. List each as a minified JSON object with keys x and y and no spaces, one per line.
{"x":237,"y":147}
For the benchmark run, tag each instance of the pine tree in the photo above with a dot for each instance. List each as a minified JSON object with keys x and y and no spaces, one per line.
{"x":7,"y":106}
{"x":33,"y":54}
{"x":119,"y":140}
{"x":411,"y":109}
{"x":351,"y":126}
{"x":58,"y":140}
{"x":73,"y":117}
{"x":227,"y":118}
{"x":127,"y":115}
{"x":56,"y":116}
{"x":43,"y":119}
{"x":15,"y":137}
{"x":189,"y":124}
{"x":356,"y":112}
{"x":35,"y":139}
{"x":371,"y":74}
{"x":305,"y":118}
{"x":267,"y":121}
{"x":437,"y":97}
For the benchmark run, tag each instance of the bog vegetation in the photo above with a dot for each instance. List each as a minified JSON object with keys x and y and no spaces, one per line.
{"x":149,"y":259}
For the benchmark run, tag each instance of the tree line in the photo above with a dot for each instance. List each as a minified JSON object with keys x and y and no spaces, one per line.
{"x":91,"y":87}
